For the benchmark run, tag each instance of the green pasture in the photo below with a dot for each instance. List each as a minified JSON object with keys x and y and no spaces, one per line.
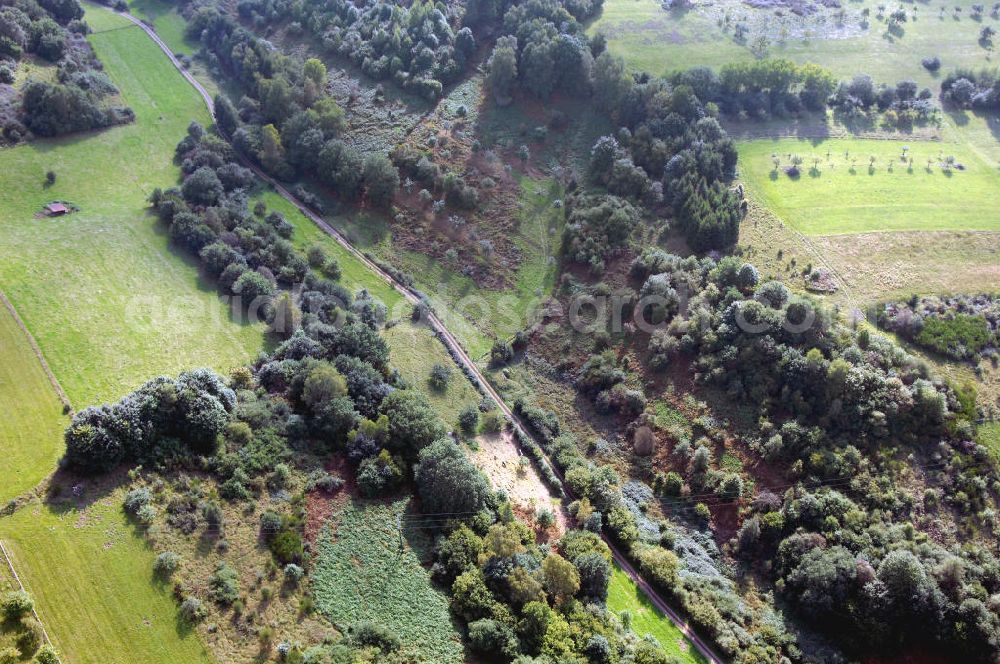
{"x":92,"y":580}
{"x":166,"y":19}
{"x":415,"y":351}
{"x":988,"y":436}
{"x":366,"y":571}
{"x":844,"y":192}
{"x":656,"y":40}
{"x":109,"y":300}
{"x":624,"y":595}
{"x":31,"y":430}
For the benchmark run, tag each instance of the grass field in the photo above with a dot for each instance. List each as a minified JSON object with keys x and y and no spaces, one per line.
{"x":989,"y":437}
{"x":110,"y":302}
{"x":91,"y":580}
{"x":362,"y":574}
{"x":31,"y":430}
{"x":656,"y":40}
{"x":839,"y":197}
{"x":623,"y":595}
{"x":414,"y":351}
{"x":166,"y":19}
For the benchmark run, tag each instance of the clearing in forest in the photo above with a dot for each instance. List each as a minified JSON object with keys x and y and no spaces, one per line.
{"x":842,"y":186}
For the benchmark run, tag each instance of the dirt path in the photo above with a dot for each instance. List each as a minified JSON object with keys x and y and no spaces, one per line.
{"x":446,"y":337}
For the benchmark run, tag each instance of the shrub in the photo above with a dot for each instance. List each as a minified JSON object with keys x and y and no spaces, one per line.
{"x":440,"y":375}
{"x":294,"y":573}
{"x":47,"y":655}
{"x":166,"y":564}
{"x":286,"y":546}
{"x":270,"y":524}
{"x":31,"y":636}
{"x":468,"y":420}
{"x":10,"y":655}
{"x":376,"y":636}
{"x":658,"y":565}
{"x":192,"y":610}
{"x":16,"y":604}
{"x":378,"y":475}
{"x":493,"y":421}
{"x":224,"y":585}
{"x":211,"y":511}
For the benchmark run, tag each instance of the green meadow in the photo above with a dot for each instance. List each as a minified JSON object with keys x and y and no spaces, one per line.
{"x":656,"y":40}
{"x":624,"y":595}
{"x":31,"y":430}
{"x":109,"y":300}
{"x":166,"y":19}
{"x":92,"y":580}
{"x":845,"y":192}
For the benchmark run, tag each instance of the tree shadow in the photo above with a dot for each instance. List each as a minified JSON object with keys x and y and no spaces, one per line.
{"x":68,"y":491}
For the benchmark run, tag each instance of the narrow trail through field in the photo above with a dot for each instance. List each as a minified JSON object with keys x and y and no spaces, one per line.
{"x":38,"y":353}
{"x":446,"y":337}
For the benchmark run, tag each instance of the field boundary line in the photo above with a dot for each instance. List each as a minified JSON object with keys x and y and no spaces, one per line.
{"x":10,"y":566}
{"x":450,"y":341}
{"x":38,"y":353}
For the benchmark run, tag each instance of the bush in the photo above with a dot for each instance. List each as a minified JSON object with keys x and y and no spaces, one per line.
{"x":16,"y":604}
{"x":47,"y":655}
{"x":166,"y":564}
{"x":192,"y":610}
{"x":286,"y":546}
{"x":31,"y":636}
{"x":294,"y":573}
{"x":658,"y":565}
{"x":440,"y":375}
{"x":375,"y":636}
{"x":224,"y":585}
{"x":468,"y":420}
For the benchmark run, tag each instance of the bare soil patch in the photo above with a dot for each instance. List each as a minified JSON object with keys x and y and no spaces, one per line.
{"x":499,"y":458}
